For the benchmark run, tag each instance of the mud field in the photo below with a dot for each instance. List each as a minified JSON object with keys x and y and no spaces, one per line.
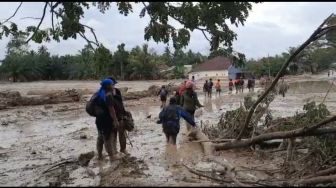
{"x":40,"y":145}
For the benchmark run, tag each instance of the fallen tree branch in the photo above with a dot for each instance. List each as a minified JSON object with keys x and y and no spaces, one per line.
{"x":315,"y":180}
{"x":311,"y":131}
{"x":280,"y":73}
{"x":323,"y":172}
{"x":60,"y":164}
{"x":222,"y":179}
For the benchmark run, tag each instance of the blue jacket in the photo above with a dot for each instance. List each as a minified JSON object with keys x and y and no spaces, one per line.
{"x":173,"y":114}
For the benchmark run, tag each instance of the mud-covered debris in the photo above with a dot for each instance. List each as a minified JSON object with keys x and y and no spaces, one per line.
{"x":85,"y":158}
{"x":83,"y":136}
{"x":55,"y":184}
{"x":4,"y":123}
{"x":48,"y":106}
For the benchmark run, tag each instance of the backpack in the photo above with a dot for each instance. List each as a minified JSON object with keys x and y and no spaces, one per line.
{"x":92,"y":106}
{"x":170,"y":114}
{"x":163,"y":93}
{"x":128,"y":121}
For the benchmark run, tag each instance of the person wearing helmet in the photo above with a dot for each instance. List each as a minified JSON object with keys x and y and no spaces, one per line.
{"x":189,"y":100}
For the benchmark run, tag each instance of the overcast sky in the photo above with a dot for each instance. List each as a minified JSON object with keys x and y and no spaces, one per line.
{"x":271,"y":28}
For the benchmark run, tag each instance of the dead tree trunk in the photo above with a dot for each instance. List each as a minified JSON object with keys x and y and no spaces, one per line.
{"x":197,"y":134}
{"x":320,"y":31}
{"x":306,"y":131}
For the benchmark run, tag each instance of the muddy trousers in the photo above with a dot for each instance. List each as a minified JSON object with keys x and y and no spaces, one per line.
{"x":109,"y":143}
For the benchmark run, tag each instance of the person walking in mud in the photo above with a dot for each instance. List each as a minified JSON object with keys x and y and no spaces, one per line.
{"x":190,"y":101}
{"x":250,"y":84}
{"x":170,"y":119}
{"x":241,"y":83}
{"x":205,"y":88}
{"x":120,"y":112}
{"x":107,"y":121}
{"x":163,"y":92}
{"x":218,"y":87}
{"x":283,"y":87}
{"x":230,"y":86}
{"x":210,"y":85}
{"x":237,"y":85}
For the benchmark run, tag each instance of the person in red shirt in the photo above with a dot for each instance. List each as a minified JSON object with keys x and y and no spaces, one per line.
{"x":230,"y":86}
{"x":182,"y":88}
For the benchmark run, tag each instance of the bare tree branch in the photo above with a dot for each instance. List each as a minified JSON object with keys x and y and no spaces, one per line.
{"x":83,"y":25}
{"x":92,"y":31}
{"x":305,"y":131}
{"x":34,"y":18}
{"x":38,"y":26}
{"x":280,"y":73}
{"x":17,"y":9}
{"x":205,"y":35}
{"x":89,"y":41}
{"x":52,"y":16}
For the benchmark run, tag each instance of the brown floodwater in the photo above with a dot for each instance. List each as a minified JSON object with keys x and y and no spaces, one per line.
{"x":34,"y":138}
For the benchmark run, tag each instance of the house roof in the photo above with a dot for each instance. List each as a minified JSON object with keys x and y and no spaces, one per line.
{"x":217,"y":63}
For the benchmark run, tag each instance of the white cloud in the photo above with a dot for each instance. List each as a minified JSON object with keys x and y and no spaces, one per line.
{"x":271,"y":27}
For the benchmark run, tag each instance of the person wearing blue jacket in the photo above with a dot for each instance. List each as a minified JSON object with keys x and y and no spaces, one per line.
{"x":170,"y":120}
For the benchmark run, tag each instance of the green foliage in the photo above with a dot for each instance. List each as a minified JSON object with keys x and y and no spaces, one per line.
{"x":90,"y":63}
{"x":208,"y":17}
{"x":312,"y":114}
{"x":266,"y":65}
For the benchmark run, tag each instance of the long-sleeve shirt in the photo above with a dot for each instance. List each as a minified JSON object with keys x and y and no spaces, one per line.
{"x":173,"y":114}
{"x":190,"y":101}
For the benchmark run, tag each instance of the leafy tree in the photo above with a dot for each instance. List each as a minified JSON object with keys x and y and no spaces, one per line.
{"x":142,"y":63}
{"x":121,"y":57}
{"x":208,"y":17}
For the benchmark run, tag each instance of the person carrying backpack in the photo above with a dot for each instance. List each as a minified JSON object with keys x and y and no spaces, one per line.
{"x":121,"y":115}
{"x":103,"y":105}
{"x":190,"y":101}
{"x":163,"y":96}
{"x":170,"y":120}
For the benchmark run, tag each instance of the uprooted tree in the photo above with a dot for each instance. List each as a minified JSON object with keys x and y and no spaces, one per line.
{"x":315,"y":127}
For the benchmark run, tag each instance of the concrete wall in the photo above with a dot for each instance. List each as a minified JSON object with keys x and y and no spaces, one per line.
{"x":209,"y":74}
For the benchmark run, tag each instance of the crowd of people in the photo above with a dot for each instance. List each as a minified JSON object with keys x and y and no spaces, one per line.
{"x":238,"y":84}
{"x":112,"y":120}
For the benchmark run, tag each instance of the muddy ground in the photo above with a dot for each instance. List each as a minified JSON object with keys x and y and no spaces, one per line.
{"x":40,"y":145}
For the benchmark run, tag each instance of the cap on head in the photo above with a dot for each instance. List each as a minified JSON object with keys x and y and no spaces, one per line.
{"x":106,"y":82}
{"x":113,"y":79}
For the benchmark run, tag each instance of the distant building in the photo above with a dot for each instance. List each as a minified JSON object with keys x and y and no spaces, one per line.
{"x":218,"y":67}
